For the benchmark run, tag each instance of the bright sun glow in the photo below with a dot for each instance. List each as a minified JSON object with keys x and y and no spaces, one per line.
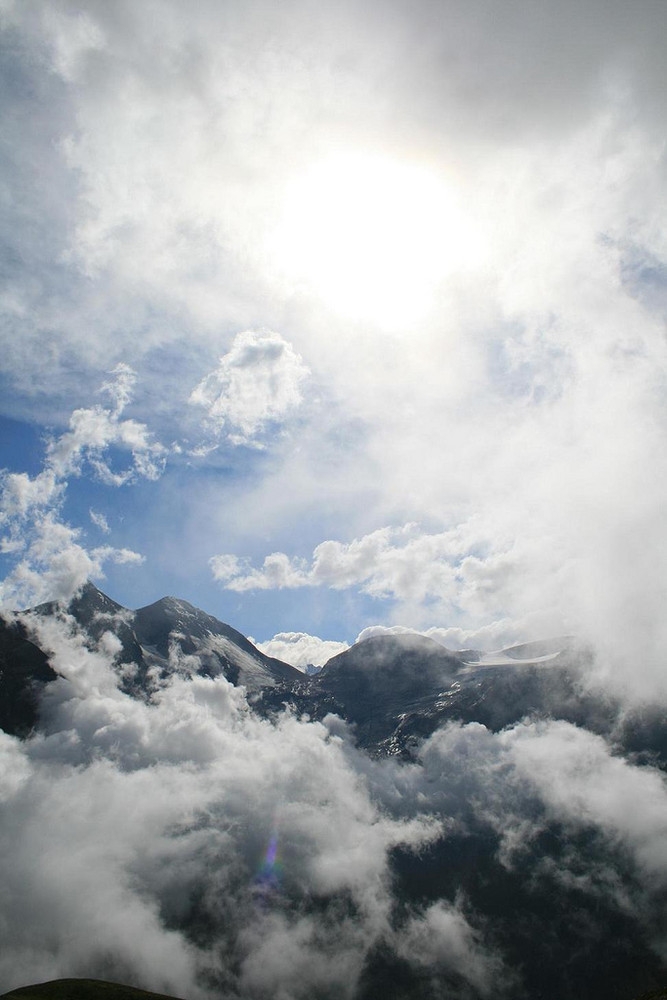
{"x":371,"y":236}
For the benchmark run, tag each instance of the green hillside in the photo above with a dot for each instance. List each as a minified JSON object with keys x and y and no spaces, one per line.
{"x":82,"y":989}
{"x":95,"y":989}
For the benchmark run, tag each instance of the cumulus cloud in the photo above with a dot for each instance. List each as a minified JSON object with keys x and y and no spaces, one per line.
{"x":301,"y":649}
{"x":50,"y":563}
{"x":256,"y":383}
{"x":92,"y":431}
{"x":159,"y":818}
{"x":398,"y":561}
{"x":408,"y":565}
{"x":186,"y":844}
{"x":53,"y":564}
{"x":441,"y":938}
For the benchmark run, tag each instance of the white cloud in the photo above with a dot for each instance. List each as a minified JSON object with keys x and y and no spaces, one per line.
{"x":494,"y":635}
{"x":53,"y":565}
{"x":389,"y":561}
{"x":92,"y":431}
{"x":126,"y":821}
{"x":301,"y":649}
{"x":579,"y":779}
{"x":123,"y":813}
{"x":441,"y":936}
{"x":257,"y":382}
{"x":22,"y":494}
{"x":100,"y":521}
{"x":428,"y":573}
{"x":50,"y":563}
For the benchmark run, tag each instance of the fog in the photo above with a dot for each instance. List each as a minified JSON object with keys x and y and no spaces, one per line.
{"x":188,"y":845}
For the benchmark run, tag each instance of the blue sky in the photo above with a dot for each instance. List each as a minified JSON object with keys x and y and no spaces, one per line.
{"x":338,"y":315}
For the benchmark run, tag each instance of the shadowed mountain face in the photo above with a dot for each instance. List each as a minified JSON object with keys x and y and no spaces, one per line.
{"x":395,"y":689}
{"x":172,"y":635}
{"x":562,"y":900}
{"x":398,"y":690}
{"x":378,"y":683}
{"x":24,"y":670}
{"x":220,"y":648}
{"x":391,"y":669}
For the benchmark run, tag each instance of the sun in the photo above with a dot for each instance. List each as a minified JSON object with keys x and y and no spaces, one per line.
{"x":371,"y":236}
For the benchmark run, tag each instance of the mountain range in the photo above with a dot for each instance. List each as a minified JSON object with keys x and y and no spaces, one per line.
{"x":562,"y":937}
{"x":396,"y":689}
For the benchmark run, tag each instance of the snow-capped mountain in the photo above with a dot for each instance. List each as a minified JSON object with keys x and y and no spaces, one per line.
{"x":396,"y":689}
{"x":172,"y":635}
{"x":533,"y":878}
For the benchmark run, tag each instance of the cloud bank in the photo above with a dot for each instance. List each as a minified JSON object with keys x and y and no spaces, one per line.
{"x":186,"y":844}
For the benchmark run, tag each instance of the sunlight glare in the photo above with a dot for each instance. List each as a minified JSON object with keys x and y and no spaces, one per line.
{"x":371,"y":236}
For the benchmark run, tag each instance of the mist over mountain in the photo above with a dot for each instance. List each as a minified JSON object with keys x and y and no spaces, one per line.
{"x":185,"y":814}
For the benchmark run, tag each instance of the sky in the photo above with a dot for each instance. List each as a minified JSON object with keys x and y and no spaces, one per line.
{"x":332,"y":319}
{"x":326,"y":317}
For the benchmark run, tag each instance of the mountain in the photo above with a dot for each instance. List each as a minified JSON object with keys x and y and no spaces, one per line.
{"x":24,"y":670}
{"x":159,"y":638}
{"x":383,"y":680}
{"x":562,"y":902}
{"x":167,"y":637}
{"x":96,"y":989}
{"x":220,"y":648}
{"x":81,"y":989}
{"x":396,"y":689}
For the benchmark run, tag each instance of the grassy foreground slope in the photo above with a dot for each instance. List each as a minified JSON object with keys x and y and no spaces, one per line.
{"x":96,"y":989}
{"x":82,"y":989}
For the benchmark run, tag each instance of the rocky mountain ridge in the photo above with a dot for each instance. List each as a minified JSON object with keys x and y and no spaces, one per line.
{"x":562,"y":906}
{"x":395,"y":689}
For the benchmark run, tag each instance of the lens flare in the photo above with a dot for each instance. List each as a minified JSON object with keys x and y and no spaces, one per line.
{"x":269,"y":876}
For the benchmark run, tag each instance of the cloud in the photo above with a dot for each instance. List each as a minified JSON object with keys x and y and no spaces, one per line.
{"x":256,"y":383}
{"x":527,"y":398}
{"x":21,"y":494}
{"x":573,"y":774}
{"x":421,"y":570}
{"x":169,"y":809}
{"x":92,"y":431}
{"x":441,"y":937}
{"x":398,"y":561}
{"x":100,"y":521}
{"x":494,"y":635}
{"x":580,"y":780}
{"x":301,"y":649}
{"x":135,"y":839}
{"x":52,"y":565}
{"x":49,"y":561}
